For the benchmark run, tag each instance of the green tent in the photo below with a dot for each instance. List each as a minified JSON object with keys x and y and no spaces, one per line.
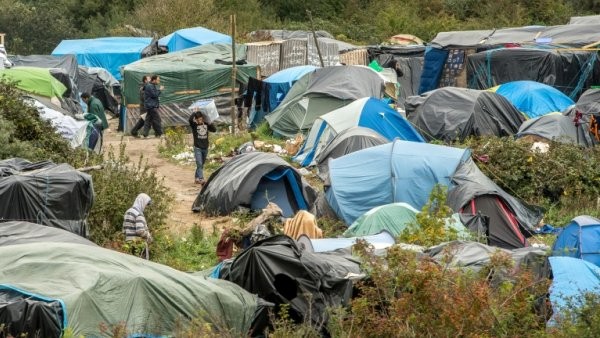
{"x":320,"y":92}
{"x":101,"y":287}
{"x":188,"y":75}
{"x":392,"y":217}
{"x":35,"y":80}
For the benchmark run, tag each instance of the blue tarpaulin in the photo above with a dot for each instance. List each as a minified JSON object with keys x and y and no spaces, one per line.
{"x":534,"y":99}
{"x":192,"y":37}
{"x":400,"y":171}
{"x":110,"y":53}
{"x":572,"y":279}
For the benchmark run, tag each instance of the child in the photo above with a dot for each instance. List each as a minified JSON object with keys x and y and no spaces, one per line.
{"x":200,"y":131}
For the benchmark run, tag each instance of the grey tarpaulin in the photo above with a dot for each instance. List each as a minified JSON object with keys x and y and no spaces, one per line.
{"x":45,"y":193}
{"x":570,"y":71}
{"x":557,"y":127}
{"x":346,"y":142}
{"x":236,"y":182}
{"x":452,"y":113}
{"x":100,"y":83}
{"x":584,"y":20}
{"x":18,"y":232}
{"x":468,"y":182}
{"x":279,"y":272}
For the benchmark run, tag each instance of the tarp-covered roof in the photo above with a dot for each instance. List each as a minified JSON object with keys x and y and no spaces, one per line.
{"x":188,"y":75}
{"x":110,"y":52}
{"x":20,"y":232}
{"x":557,"y":127}
{"x":104,"y":287}
{"x":192,"y":37}
{"x":584,"y":20}
{"x":35,"y":80}
{"x":290,"y":75}
{"x":533,"y":98}
{"x":66,"y":62}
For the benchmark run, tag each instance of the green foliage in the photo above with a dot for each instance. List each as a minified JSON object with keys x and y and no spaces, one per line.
{"x":175,"y":142}
{"x":331,"y":228}
{"x":194,"y":251}
{"x":580,"y":317}
{"x":430,"y":227}
{"x":116,"y":186}
{"x":565,"y":180}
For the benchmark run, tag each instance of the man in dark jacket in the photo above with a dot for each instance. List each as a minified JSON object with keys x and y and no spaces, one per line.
{"x":142,"y":120}
{"x":96,"y":108}
{"x":151,"y":102}
{"x":200,"y":131}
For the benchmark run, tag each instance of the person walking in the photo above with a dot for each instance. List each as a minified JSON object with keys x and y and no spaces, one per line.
{"x":135,"y":228}
{"x":141,"y":121}
{"x":96,"y":108}
{"x":152,"y":92}
{"x":200,"y":131}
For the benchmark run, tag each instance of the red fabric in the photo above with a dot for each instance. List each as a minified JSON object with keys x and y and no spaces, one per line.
{"x":225,"y":247}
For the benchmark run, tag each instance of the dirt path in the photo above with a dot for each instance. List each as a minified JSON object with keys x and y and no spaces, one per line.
{"x":178,"y":178}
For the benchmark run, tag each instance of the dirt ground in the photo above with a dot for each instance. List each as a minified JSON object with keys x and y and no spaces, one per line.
{"x":177,"y":177}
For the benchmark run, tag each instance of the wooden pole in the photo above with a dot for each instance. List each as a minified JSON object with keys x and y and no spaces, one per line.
{"x":233,"y":76}
{"x":312,"y":27}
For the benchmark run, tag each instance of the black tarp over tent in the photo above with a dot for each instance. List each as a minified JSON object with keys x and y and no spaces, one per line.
{"x":452,"y":113}
{"x":50,"y":194}
{"x":279,"y":272}
{"x":253,"y":180}
{"x":511,"y":221}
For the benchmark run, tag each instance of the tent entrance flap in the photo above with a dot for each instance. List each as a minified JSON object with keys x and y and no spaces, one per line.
{"x":21,"y":312}
{"x":281,"y":188}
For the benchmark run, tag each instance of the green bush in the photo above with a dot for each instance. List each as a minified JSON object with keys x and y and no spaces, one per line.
{"x":195,"y":251}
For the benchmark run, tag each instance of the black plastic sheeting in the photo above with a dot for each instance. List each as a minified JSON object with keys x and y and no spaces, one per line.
{"x":571,"y":72}
{"x":280,"y":273}
{"x":468,"y":183}
{"x":346,"y":142}
{"x":235,"y":182}
{"x":50,"y":194}
{"x":452,"y":113}
{"x":22,"y":313}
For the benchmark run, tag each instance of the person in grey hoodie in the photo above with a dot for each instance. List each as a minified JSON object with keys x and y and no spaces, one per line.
{"x":135,"y":228}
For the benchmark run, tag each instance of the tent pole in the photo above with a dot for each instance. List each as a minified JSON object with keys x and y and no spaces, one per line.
{"x":312,"y":27}
{"x":233,"y":75}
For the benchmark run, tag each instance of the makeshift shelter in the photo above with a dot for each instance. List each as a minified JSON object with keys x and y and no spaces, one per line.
{"x":586,"y":113}
{"x":79,"y":133}
{"x":100,"y":83}
{"x":195,"y":73}
{"x":35,"y":80}
{"x":400,"y":171}
{"x":110,"y":53}
{"x":262,"y":97}
{"x":453,"y":113}
{"x":346,"y":142}
{"x":532,"y":98}
{"x":382,"y":240}
{"x":392,"y":217}
{"x":321,"y":92}
{"x":572,"y":279}
{"x":84,"y":287}
{"x":366,"y":112}
{"x":569,"y":71}
{"x":580,"y":239}
{"x":584,"y":20}
{"x":511,"y":221}
{"x":279,"y":272}
{"x":192,"y":37}
{"x":559,"y":128}
{"x":253,"y":180}
{"x":50,"y":194}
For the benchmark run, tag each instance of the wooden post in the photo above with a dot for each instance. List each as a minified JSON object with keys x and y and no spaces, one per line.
{"x":2,"y":38}
{"x":233,"y":76}
{"x":312,"y":27}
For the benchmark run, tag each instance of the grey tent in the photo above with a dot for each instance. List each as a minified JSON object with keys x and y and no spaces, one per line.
{"x":346,"y":142}
{"x":321,"y":92}
{"x":253,"y":180}
{"x":557,"y":127}
{"x":50,"y":281}
{"x":100,"y":83}
{"x":280,"y":272}
{"x":511,"y":221}
{"x":50,"y":194}
{"x":452,"y":113}
{"x":586,"y":113}
{"x":584,"y":20}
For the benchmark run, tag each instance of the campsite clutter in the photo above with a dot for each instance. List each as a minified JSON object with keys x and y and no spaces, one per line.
{"x":364,"y":139}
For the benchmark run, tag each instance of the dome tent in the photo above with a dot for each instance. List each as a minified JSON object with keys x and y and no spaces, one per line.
{"x":392,"y":217}
{"x":557,"y":127}
{"x":580,"y":239}
{"x":533,"y":98}
{"x":253,"y":180}
{"x":452,"y":113}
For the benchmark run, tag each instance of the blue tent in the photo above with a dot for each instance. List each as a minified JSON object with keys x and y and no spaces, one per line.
{"x":580,"y":239}
{"x":534,"y":99}
{"x":109,"y":53}
{"x":275,"y":89}
{"x":192,"y":37}
{"x":367,"y":112}
{"x":382,"y":240}
{"x":400,"y":171}
{"x":572,"y":278}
